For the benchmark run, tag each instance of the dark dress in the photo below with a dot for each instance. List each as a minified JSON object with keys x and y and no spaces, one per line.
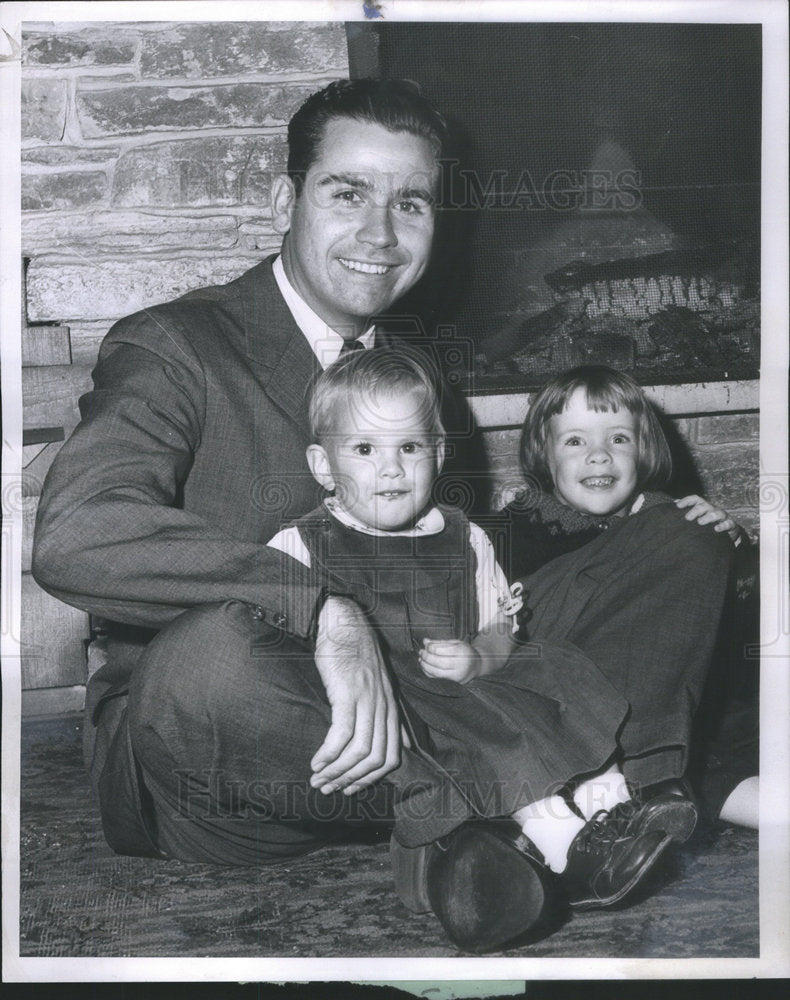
{"x":509,"y":738}
{"x":536,"y":528}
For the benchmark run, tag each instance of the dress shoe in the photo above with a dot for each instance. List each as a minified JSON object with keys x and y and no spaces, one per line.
{"x":605,"y":866}
{"x":668,"y":807}
{"x":485,"y":882}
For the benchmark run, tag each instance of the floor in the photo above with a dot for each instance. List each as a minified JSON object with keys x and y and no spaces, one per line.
{"x":79,"y":899}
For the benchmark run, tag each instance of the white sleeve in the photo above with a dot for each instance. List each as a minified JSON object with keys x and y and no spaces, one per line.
{"x":290,"y":542}
{"x":490,"y":581}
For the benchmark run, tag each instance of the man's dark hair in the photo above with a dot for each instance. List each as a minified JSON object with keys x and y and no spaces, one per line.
{"x":396,"y":105}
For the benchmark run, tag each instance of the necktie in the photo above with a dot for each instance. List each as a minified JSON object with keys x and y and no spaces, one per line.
{"x":349,"y":346}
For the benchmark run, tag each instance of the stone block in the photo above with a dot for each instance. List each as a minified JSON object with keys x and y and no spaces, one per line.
{"x":727,"y":427}
{"x":108,"y":232}
{"x":129,"y":110}
{"x":257,"y":234}
{"x":63,"y":191}
{"x":53,"y":639}
{"x":88,"y":47}
{"x":58,"y":156}
{"x":730,"y":474}
{"x":109,"y":289}
{"x":50,"y":395}
{"x":45,"y":345}
{"x":43,"y":109}
{"x":501,"y":447}
{"x":203,"y":51}
{"x":228,"y":170}
{"x":86,"y":339}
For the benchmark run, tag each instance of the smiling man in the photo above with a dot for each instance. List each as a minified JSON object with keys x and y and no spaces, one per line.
{"x":231,"y":680}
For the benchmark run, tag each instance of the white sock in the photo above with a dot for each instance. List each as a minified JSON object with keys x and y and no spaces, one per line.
{"x":604,"y":791}
{"x":742,"y":806}
{"x":551,"y":825}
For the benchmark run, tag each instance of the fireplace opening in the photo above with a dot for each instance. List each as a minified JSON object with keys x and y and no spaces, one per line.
{"x":604,"y":199}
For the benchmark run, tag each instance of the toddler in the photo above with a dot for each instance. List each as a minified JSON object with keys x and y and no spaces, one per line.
{"x":593,"y":445}
{"x":528,"y":732}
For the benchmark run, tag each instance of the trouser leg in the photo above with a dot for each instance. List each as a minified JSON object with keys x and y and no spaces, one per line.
{"x":225,"y":714}
{"x":644,"y":603}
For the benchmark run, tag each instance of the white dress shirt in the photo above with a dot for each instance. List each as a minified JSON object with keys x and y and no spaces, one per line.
{"x":324,"y":342}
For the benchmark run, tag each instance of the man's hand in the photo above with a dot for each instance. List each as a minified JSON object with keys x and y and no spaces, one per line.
{"x":698,"y":509}
{"x":363,"y":741}
{"x":451,"y":659}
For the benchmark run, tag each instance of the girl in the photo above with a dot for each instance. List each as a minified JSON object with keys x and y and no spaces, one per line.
{"x":593,"y":447}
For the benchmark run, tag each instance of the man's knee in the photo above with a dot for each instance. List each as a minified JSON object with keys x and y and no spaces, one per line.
{"x":211,"y":670}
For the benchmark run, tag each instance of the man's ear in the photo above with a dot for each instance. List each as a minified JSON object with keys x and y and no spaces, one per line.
{"x":318,"y":461}
{"x":283,"y":199}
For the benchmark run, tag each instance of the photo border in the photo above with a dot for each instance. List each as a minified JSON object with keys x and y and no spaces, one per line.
{"x":774,"y":960}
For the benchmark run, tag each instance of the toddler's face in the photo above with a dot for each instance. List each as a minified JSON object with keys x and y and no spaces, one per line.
{"x":592,"y":457}
{"x":383,"y":459}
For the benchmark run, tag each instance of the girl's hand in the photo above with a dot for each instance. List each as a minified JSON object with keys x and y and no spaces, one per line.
{"x":698,"y":509}
{"x":450,"y":659}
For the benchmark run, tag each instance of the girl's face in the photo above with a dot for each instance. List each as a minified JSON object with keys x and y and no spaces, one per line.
{"x":592,"y":457}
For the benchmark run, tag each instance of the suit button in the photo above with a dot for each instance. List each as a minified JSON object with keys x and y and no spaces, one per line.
{"x":279,"y":621}
{"x":258,"y":614}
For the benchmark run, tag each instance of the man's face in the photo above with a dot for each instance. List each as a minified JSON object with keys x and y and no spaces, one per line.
{"x":359,"y":233}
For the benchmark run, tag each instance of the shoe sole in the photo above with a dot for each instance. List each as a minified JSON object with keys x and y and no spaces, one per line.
{"x":597,"y":903}
{"x":484,"y":891}
{"x":410,"y":871}
{"x":679,"y":823}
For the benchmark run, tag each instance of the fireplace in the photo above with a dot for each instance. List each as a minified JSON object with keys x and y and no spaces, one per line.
{"x":604,"y":199}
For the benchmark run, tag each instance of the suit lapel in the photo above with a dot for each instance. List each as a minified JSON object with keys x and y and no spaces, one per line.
{"x":286,"y":365}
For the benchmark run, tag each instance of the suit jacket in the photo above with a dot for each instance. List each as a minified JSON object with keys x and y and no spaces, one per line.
{"x":190,"y":455}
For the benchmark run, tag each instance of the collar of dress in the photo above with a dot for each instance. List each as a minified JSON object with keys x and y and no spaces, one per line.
{"x":431,"y":523}
{"x":553,"y":511}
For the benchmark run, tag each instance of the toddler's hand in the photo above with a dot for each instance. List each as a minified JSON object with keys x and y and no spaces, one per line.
{"x":698,"y":509}
{"x":451,"y":659}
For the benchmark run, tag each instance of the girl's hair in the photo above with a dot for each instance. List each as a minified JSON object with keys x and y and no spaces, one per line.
{"x":373,"y":373}
{"x":606,"y":390}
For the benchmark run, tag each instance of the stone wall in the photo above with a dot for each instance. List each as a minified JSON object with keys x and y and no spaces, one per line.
{"x":147,"y":156}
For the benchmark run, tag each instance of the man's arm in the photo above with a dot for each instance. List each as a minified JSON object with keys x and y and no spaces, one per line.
{"x":363,"y":741}
{"x":111,"y":537}
{"x":112,"y":540}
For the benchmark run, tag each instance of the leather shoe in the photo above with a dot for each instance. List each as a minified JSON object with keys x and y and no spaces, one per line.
{"x":605,"y":866}
{"x":485,"y":881}
{"x":669,"y":808}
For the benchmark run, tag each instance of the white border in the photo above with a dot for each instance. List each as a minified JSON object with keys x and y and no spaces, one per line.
{"x":775,"y":813}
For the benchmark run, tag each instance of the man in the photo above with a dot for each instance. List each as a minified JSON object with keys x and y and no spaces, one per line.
{"x":189,"y":457}
{"x":243,"y":716}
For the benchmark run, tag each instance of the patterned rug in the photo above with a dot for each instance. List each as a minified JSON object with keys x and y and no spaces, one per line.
{"x":79,"y":899}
